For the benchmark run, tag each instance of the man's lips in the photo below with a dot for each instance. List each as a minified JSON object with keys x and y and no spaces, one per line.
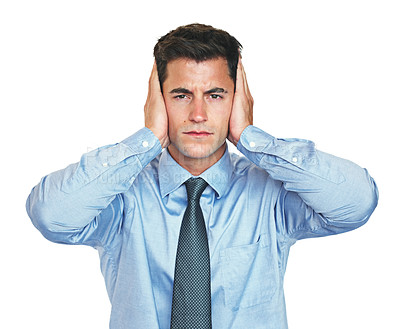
{"x":195,"y":133}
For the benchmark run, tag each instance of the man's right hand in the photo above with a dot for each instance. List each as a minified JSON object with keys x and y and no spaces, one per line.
{"x":155,"y":112}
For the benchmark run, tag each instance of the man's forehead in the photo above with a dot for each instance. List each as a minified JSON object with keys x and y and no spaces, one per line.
{"x":180,"y":64}
{"x":188,"y":73}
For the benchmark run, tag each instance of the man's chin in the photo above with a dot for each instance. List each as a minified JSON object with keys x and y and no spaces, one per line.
{"x":195,"y":151}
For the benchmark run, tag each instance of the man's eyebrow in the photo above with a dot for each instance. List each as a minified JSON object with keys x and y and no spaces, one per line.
{"x":216,"y":90}
{"x":180,"y":91}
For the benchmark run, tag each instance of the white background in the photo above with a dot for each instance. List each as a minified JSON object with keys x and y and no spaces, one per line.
{"x":73,"y":76}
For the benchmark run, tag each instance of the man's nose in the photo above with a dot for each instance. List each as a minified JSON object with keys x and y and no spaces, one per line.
{"x":198,"y":111}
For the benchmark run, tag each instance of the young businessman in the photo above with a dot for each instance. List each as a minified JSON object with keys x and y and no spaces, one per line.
{"x":132,"y":201}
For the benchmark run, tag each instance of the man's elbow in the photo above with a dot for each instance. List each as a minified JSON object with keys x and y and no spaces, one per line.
{"x":42,"y":216}
{"x":367,"y":202}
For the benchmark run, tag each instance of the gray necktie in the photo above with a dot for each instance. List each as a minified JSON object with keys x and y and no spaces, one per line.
{"x":191,"y":300}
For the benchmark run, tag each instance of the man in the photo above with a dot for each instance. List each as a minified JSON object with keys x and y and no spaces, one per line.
{"x":132,"y":201}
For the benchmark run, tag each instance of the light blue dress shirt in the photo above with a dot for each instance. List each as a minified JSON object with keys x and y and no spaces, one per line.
{"x":127,"y":201}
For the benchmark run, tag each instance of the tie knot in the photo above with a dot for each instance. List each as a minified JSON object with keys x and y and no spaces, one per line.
{"x":195,"y":187}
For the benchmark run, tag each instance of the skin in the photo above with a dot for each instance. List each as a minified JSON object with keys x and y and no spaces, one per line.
{"x":198,"y":111}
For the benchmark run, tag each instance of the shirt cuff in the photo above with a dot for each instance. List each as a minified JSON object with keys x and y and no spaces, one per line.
{"x":253,"y":141}
{"x":258,"y":146}
{"x":144,"y":144}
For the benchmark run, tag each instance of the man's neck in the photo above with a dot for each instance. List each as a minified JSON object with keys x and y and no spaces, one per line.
{"x":196,"y":166}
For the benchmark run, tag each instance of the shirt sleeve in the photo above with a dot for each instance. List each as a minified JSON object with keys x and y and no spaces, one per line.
{"x":321,"y":194}
{"x":82,"y":204}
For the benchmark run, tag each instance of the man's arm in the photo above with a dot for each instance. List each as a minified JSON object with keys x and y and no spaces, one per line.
{"x":73,"y":205}
{"x":322,"y":194}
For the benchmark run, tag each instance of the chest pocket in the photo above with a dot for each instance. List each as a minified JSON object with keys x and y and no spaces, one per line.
{"x":250,"y":274}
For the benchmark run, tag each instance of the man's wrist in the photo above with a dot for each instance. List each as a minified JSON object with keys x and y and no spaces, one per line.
{"x":252,"y":143}
{"x":162,"y":138}
{"x":235,"y":142}
{"x":164,"y":141}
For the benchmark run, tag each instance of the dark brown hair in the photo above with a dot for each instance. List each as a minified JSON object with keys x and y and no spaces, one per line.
{"x":198,"y":42}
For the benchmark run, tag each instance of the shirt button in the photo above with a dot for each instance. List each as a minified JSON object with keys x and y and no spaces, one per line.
{"x":252,"y":144}
{"x":105,"y":164}
{"x":294,"y":159}
{"x":145,"y":143}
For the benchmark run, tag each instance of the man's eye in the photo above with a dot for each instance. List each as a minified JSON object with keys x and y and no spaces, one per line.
{"x":180,"y":97}
{"x":215,"y":96}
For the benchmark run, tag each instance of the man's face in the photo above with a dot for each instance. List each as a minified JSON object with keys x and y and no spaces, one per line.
{"x":198,"y":98}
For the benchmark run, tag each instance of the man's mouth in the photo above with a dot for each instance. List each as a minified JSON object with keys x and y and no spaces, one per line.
{"x":195,"y":133}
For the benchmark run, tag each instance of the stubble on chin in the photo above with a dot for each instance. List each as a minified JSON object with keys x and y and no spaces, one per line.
{"x":194,"y":151}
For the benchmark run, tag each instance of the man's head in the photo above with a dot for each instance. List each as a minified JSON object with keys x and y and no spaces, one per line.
{"x":197,"y":42}
{"x":197,"y":67}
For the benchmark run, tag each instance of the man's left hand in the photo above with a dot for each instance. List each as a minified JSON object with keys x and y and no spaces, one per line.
{"x":242,"y":108}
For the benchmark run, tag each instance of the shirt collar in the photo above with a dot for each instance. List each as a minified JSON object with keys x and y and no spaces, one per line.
{"x":172,"y":175}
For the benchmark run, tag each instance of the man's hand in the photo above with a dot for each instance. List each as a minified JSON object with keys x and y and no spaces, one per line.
{"x":155,"y":112}
{"x":242,"y":108}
